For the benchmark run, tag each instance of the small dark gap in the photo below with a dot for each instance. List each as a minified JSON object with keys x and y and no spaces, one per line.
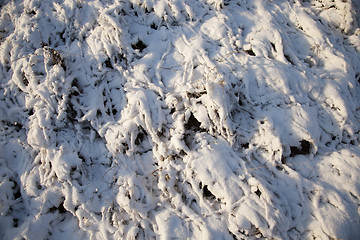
{"x":81,"y":157}
{"x":31,"y":13}
{"x":258,"y":193}
{"x":63,"y":38}
{"x":125,"y":147}
{"x":70,"y":111}
{"x":52,"y":209}
{"x":113,"y":110}
{"x":195,"y":94}
{"x":250,"y":52}
{"x":139,"y":45}
{"x":25,"y":81}
{"x":207,"y":193}
{"x":17,"y":194}
{"x":16,"y":188}
{"x":108,"y":63}
{"x":304,"y":149}
{"x":153,"y":26}
{"x":280,"y":168}
{"x":193,"y":124}
{"x":147,"y":11}
{"x":98,"y":113}
{"x":245,"y":145}
{"x":76,"y":90}
{"x":273,"y":46}
{"x":289,"y":59}
{"x":141,"y":136}
{"x":15,"y":222}
{"x":18,"y":126}
{"x":182,"y":153}
{"x":61,"y":208}
{"x":233,"y":235}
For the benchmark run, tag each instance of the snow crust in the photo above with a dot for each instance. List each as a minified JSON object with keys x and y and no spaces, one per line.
{"x":209,"y":119}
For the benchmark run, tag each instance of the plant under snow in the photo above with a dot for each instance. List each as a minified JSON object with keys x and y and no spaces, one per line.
{"x":179,"y":119}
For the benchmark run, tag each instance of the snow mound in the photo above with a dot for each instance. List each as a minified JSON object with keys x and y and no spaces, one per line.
{"x":211,"y":119}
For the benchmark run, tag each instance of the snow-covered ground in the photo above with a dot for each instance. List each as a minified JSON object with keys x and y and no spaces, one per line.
{"x":182,"y":119}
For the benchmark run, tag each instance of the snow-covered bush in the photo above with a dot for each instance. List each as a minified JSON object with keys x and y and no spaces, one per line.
{"x":179,"y":119}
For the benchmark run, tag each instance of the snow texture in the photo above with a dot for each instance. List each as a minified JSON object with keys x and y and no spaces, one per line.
{"x":182,"y":119}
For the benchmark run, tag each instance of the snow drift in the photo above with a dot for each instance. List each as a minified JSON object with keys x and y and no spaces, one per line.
{"x":179,"y":119}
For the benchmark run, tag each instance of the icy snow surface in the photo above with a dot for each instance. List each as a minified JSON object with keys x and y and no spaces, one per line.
{"x":179,"y":119}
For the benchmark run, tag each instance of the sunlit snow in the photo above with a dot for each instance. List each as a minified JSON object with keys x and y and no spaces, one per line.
{"x":182,"y":119}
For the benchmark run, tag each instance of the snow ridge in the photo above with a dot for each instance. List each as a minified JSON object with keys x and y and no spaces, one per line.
{"x":205,"y":119}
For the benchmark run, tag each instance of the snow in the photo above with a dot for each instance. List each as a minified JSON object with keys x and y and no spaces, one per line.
{"x":182,"y":119}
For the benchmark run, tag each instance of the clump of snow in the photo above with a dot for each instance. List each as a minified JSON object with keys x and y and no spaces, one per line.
{"x":181,"y":119}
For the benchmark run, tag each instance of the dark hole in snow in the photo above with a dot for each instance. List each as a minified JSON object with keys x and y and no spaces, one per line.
{"x":108,"y":63}
{"x":141,"y":136}
{"x":289,"y":59}
{"x":232,"y":235}
{"x":357,"y":76}
{"x":125,"y":147}
{"x":70,"y":111}
{"x":25,"y":81}
{"x":82,"y":158}
{"x":305,"y":146}
{"x":75,"y":87}
{"x":273,"y":46}
{"x":15,"y":222}
{"x":61,"y":208}
{"x":52,"y":209}
{"x":147,"y":10}
{"x":172,"y":110}
{"x":182,"y":152}
{"x":207,"y":193}
{"x":18,"y":126}
{"x":113,"y":110}
{"x":196,"y":94}
{"x":17,"y":194}
{"x":304,"y":149}
{"x":139,"y":45}
{"x":283,"y":160}
{"x":245,"y":145}
{"x":119,"y":58}
{"x":63,"y":36}
{"x":30,"y":12}
{"x":193,"y":124}
{"x":258,"y":193}
{"x":250,"y":52}
{"x":153,"y":26}
{"x":31,"y":111}
{"x":16,"y":188}
{"x":98,"y":113}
